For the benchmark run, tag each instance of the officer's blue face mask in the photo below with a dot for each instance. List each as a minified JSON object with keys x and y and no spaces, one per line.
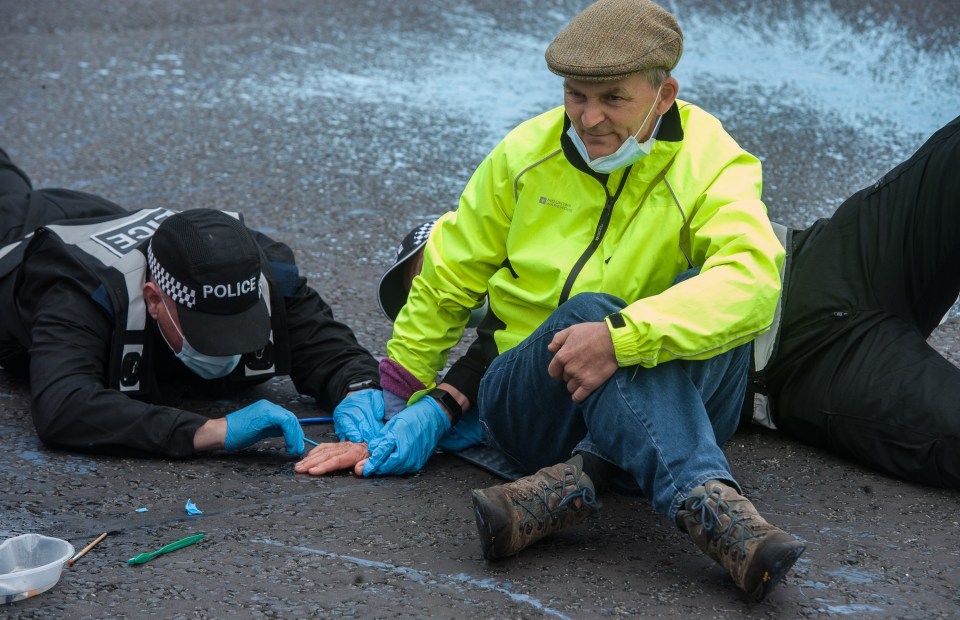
{"x":204,"y":366}
{"x":630,"y":152}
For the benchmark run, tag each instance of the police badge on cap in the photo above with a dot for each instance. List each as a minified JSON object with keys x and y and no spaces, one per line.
{"x":207,"y":262}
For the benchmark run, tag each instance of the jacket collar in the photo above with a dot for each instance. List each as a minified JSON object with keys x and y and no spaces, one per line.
{"x":671,"y":129}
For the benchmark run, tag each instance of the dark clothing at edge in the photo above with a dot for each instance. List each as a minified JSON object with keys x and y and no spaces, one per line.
{"x":57,"y":329}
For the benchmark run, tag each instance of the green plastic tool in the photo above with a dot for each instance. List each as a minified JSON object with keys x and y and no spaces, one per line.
{"x":180,"y":544}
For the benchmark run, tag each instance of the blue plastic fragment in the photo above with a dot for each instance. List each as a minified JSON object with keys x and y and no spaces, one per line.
{"x":192,"y":509}
{"x":141,"y":510}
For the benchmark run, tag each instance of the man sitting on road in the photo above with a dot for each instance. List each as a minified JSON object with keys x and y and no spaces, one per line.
{"x":628,"y":260}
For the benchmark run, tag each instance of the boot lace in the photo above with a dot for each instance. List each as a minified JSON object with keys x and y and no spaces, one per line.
{"x":732,"y":536}
{"x":537,"y":504}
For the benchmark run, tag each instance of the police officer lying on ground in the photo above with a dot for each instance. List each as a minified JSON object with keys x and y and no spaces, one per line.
{"x":628,"y":260}
{"x":116,"y":315}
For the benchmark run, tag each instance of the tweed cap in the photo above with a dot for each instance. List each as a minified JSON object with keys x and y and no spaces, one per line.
{"x":612,"y":39}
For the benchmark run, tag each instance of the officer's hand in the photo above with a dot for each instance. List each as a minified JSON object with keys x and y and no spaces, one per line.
{"x":260,"y":420}
{"x":359,"y":416}
{"x":466,"y":433}
{"x":407,"y":441}
{"x":584,"y":358}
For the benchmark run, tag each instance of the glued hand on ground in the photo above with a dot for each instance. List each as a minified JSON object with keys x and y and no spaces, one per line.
{"x":330,"y":457}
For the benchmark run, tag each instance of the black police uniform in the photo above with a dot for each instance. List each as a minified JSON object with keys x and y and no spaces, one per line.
{"x":72,"y":318}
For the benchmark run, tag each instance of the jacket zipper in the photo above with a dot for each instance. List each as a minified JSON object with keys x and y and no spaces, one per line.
{"x":597,"y":236}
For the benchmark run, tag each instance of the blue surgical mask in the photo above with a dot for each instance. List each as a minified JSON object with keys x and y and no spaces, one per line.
{"x":630,"y":152}
{"x":204,"y":366}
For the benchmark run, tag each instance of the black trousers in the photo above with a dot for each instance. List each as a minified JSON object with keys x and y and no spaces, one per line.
{"x":854,"y":373}
{"x":23,"y":209}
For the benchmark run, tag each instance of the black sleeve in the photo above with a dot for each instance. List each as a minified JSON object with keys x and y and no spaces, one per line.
{"x":466,"y":372}
{"x":69,"y":356}
{"x":325,"y":354}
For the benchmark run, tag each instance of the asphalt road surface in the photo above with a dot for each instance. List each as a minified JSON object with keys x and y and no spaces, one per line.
{"x":338,"y":126}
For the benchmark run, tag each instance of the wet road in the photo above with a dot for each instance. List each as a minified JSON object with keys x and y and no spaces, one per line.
{"x":336,"y":128}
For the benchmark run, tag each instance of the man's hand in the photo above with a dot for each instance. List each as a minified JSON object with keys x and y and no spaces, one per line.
{"x":330,"y":457}
{"x":260,"y":420}
{"x":359,"y":416}
{"x":584,"y":358}
{"x":408,"y":439}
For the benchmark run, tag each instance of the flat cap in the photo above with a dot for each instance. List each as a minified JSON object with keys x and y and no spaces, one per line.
{"x":612,"y":39}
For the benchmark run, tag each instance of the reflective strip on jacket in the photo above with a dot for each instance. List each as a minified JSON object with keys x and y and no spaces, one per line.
{"x":535,"y":226}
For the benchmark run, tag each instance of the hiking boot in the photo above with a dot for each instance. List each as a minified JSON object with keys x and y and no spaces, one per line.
{"x":512,"y":516}
{"x":726,"y":526}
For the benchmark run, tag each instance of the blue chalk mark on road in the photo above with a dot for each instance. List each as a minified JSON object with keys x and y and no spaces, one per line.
{"x":853,"y":575}
{"x":422,"y":576}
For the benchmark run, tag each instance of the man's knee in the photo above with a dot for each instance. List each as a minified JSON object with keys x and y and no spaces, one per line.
{"x":587,"y":307}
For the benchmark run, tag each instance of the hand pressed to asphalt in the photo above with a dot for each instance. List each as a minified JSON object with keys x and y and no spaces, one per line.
{"x":330,"y":457}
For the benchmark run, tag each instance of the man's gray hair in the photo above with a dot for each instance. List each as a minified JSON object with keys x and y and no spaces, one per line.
{"x":655,"y":75}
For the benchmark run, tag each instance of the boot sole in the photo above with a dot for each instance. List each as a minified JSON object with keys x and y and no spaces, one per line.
{"x":778,"y":559}
{"x":486,"y":530}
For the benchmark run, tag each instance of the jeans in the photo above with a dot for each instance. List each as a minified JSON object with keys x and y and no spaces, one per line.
{"x":662,"y":426}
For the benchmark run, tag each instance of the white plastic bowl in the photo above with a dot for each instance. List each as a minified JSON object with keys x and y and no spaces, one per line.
{"x":31,"y":564}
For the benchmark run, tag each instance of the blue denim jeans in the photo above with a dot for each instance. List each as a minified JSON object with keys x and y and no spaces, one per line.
{"x":662,"y":426}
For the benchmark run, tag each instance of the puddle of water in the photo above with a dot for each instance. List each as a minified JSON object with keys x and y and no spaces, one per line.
{"x":853,"y":575}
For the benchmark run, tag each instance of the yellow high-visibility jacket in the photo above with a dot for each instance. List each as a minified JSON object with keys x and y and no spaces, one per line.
{"x":536,"y":226}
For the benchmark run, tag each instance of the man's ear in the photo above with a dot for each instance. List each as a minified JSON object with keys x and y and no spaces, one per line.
{"x":668,"y":94}
{"x":152,"y":298}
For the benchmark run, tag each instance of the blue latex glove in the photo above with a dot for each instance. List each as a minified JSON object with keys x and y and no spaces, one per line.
{"x":466,"y":433}
{"x":408,"y":439}
{"x":359,"y":416}
{"x":260,"y":420}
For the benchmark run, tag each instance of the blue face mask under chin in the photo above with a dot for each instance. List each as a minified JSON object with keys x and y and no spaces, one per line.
{"x":204,"y":366}
{"x":630,"y":152}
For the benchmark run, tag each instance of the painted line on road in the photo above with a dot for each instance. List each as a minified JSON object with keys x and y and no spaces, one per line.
{"x":420,"y":576}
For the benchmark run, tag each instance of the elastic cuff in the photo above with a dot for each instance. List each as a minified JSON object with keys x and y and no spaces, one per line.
{"x":398,"y":379}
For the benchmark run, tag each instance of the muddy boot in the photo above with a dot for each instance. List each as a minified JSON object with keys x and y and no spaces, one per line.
{"x":726,"y":526}
{"x":512,"y":516}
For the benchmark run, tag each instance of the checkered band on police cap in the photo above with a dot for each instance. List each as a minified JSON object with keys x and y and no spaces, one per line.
{"x":413,"y":241}
{"x":176,"y":290}
{"x":391,"y":292}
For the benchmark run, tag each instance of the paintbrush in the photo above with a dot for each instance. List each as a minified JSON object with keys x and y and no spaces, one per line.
{"x":84,"y":551}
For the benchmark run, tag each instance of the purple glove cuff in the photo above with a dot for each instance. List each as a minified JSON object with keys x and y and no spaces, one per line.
{"x":398,"y":379}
